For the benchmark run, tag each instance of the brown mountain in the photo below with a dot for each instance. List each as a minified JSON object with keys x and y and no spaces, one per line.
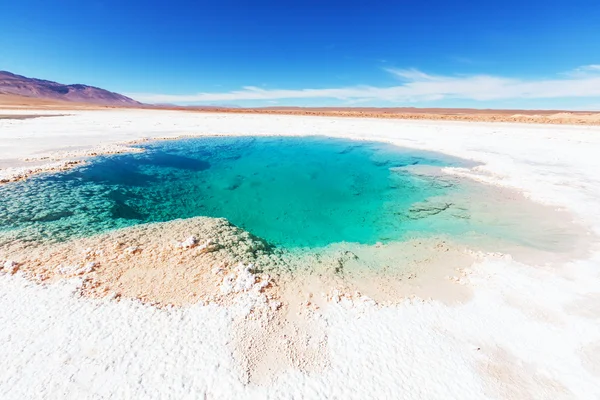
{"x":12,"y":84}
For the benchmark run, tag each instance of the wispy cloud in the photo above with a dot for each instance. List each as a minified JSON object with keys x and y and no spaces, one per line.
{"x":417,"y":86}
{"x":413,"y":75}
{"x":585,"y":71}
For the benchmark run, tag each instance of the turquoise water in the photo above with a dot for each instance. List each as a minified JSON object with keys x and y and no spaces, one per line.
{"x":292,"y":192}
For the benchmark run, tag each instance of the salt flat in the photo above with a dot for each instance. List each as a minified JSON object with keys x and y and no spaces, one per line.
{"x":528,"y":331}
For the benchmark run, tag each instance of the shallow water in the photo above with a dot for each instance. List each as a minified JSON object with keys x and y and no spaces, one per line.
{"x":291,"y":192}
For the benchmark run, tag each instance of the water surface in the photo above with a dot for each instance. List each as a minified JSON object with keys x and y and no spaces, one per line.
{"x":291,"y":192}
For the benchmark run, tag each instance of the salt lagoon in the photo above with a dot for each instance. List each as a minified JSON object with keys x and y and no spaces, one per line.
{"x":528,"y":266}
{"x":289,"y":191}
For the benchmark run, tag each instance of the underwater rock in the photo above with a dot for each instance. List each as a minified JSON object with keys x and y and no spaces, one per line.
{"x":234,"y":183}
{"x":427,"y":209}
{"x":52,"y":216}
{"x":122,"y":210}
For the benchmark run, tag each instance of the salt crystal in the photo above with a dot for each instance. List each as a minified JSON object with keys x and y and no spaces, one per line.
{"x":89,"y":267}
{"x":206,"y":246}
{"x":275,"y":305}
{"x":241,"y":280}
{"x":67,"y":269}
{"x":76,"y":269}
{"x":189,"y":242}
{"x":131,"y":249}
{"x":10,"y":267}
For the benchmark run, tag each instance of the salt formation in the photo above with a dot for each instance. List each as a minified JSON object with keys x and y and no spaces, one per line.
{"x":10,"y":267}
{"x":241,"y":280}
{"x":189,"y":242}
{"x":75,"y":270}
{"x":141,"y":262}
{"x":16,"y":174}
{"x":208,"y":245}
{"x":527,"y":330}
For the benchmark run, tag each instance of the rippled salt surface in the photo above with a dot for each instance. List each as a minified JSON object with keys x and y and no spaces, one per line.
{"x":291,"y":192}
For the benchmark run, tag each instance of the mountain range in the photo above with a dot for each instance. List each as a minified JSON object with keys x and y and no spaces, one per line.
{"x":17,"y":85}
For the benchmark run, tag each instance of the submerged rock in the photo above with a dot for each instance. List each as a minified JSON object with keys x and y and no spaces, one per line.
{"x":122,"y":210}
{"x":427,"y":209}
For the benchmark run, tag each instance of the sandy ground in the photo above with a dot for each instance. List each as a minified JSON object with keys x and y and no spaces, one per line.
{"x":433,"y":114}
{"x":521,"y":330}
{"x":14,"y":102}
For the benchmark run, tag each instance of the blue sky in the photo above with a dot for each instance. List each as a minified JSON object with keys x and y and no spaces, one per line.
{"x":498,"y":54}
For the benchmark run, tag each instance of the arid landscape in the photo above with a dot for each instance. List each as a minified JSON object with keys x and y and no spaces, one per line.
{"x":203,"y":293}
{"x":18,"y":92}
{"x":317,"y":200}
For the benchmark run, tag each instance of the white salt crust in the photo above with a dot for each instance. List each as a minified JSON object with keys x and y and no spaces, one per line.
{"x":527,"y":332}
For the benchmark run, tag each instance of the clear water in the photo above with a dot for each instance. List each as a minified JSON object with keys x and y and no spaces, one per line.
{"x":292,"y":192}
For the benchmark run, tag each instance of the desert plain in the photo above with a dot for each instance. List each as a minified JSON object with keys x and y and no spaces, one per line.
{"x":480,"y":324}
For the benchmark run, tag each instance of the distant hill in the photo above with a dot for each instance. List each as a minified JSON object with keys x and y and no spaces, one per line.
{"x":12,"y":84}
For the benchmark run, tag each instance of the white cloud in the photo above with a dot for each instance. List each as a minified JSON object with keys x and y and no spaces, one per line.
{"x":412,"y":74}
{"x":418,"y":86}
{"x":592,"y":67}
{"x":585,"y":70}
